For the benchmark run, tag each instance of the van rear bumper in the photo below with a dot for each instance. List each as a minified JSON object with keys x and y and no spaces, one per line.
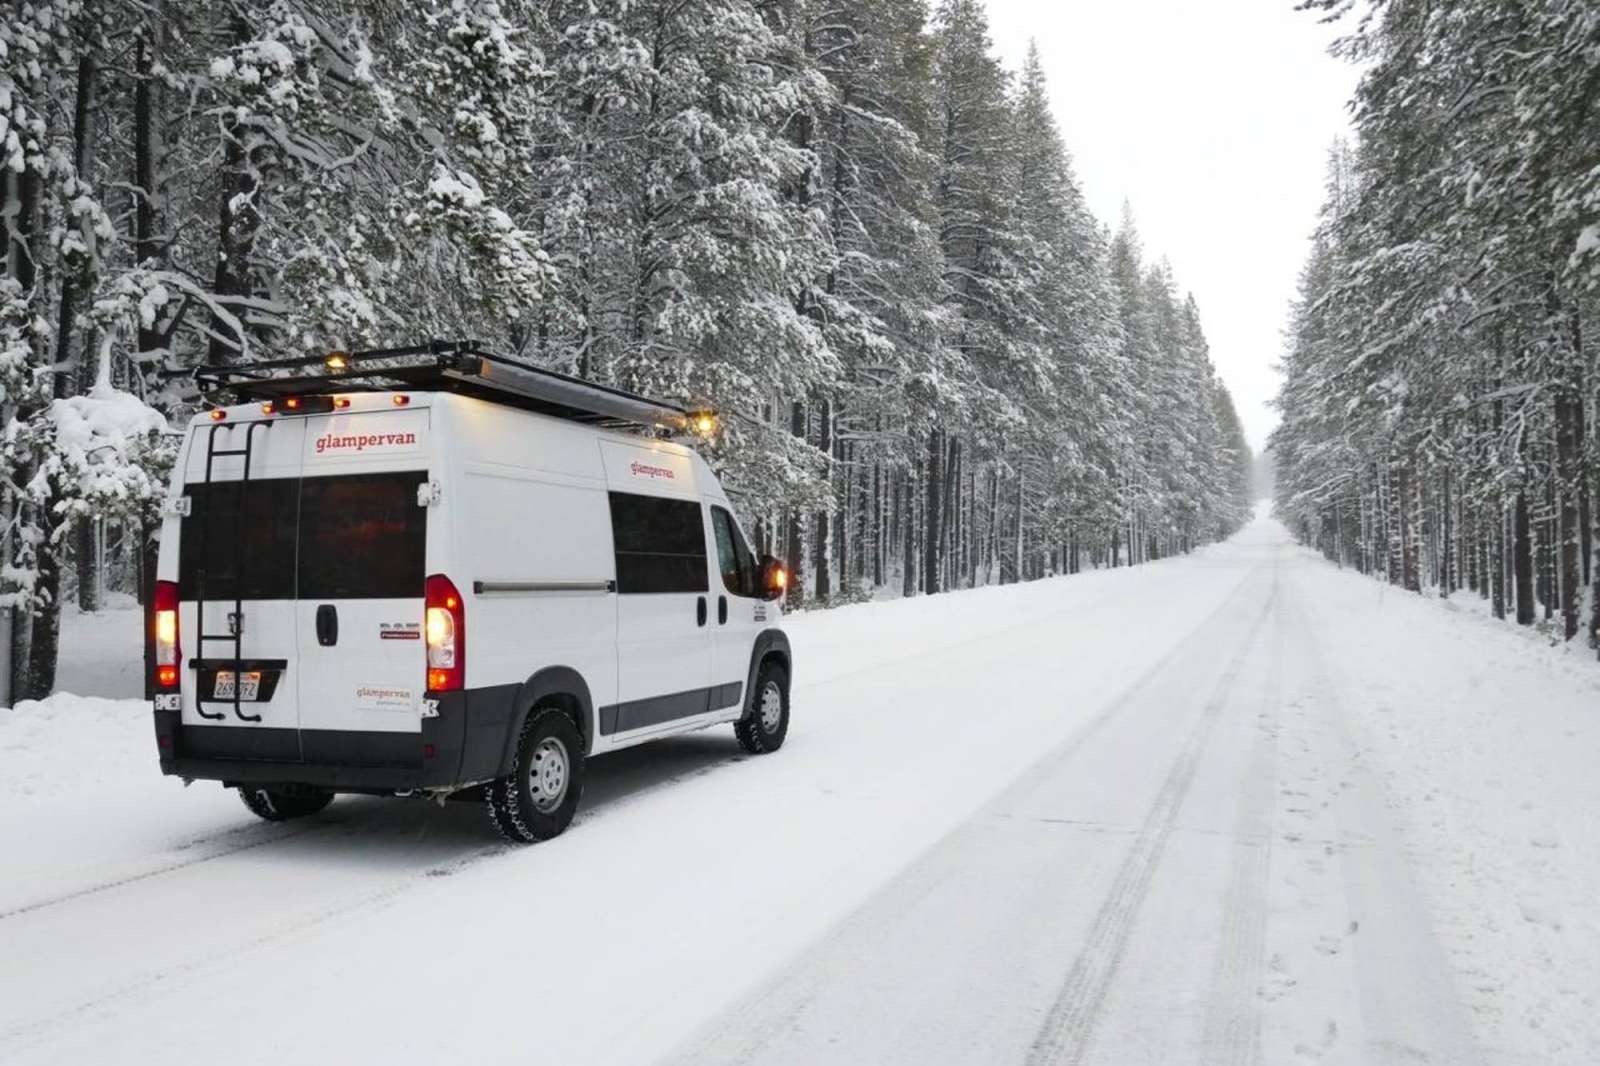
{"x":453,"y":750}
{"x":383,"y":779}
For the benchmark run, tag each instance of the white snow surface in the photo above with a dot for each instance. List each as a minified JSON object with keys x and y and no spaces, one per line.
{"x":1235,"y":807}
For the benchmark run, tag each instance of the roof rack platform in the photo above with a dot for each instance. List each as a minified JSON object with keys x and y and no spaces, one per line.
{"x":459,"y":367}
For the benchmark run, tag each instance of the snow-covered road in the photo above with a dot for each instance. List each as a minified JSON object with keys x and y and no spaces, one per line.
{"x":1232,"y":808}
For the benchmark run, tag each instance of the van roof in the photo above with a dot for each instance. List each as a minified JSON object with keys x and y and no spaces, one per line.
{"x":459,"y":367}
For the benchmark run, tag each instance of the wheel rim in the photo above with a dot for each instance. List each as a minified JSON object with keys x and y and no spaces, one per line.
{"x":771,"y":707}
{"x":549,"y":773}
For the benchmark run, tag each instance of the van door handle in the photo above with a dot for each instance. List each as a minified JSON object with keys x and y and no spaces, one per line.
{"x":327,"y":625}
{"x":700,"y":610}
{"x":722,"y":610}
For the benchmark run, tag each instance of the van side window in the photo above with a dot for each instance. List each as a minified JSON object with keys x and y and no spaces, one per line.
{"x":660,"y":544}
{"x":738,"y":566}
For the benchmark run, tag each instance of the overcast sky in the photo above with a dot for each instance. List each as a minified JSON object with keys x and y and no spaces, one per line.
{"x":1213,"y":120}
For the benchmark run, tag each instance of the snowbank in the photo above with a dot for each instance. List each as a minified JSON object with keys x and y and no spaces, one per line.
{"x":67,"y":742}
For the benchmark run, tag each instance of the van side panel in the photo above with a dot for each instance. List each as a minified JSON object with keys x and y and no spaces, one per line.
{"x":530,"y":550}
{"x":536,"y":570}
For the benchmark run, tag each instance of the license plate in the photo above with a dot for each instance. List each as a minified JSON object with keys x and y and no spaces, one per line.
{"x":249,"y":686}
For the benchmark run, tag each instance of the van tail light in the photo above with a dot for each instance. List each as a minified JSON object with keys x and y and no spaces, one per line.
{"x":445,"y":626}
{"x":164,"y":629}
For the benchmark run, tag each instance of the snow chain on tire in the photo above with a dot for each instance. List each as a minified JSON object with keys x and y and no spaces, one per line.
{"x":753,"y":735}
{"x":280,"y":807}
{"x":504,"y":795}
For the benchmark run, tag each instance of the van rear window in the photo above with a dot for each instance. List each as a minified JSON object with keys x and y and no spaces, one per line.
{"x":239,"y":547}
{"x":362,"y":536}
{"x":356,"y":536}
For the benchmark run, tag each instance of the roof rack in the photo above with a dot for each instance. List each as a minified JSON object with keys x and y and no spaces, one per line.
{"x":460,"y":367}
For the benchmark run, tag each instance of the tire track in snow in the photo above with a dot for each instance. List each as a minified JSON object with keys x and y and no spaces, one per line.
{"x":1232,"y":1032}
{"x":349,"y":825}
{"x":1408,"y":1006}
{"x":285,"y":833}
{"x":742,"y":1032}
{"x":24,"y":1033}
{"x":157,"y":981}
{"x":1069,"y":1026}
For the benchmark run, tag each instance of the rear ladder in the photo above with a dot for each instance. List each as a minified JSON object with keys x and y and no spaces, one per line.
{"x":236,"y":619}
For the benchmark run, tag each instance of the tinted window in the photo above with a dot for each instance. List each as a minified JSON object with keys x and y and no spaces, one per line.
{"x":738,"y":566}
{"x":362,"y":536}
{"x":660,"y":544}
{"x":230,"y":546}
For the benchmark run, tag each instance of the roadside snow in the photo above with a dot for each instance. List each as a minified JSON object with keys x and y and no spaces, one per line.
{"x":69,"y":742}
{"x":1488,"y":744}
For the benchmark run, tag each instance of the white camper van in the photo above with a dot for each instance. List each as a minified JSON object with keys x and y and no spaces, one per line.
{"x":432,"y":571}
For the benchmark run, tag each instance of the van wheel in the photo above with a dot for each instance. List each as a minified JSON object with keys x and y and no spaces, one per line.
{"x":538,"y":798}
{"x":766,"y":722}
{"x":281,"y":806}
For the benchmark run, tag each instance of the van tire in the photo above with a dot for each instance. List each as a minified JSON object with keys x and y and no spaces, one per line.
{"x":282,"y":806}
{"x":766,"y":720}
{"x":551,"y":750}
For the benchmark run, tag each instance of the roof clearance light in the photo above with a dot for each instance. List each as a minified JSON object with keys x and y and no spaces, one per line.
{"x":703,"y":423}
{"x":336,"y":361}
{"x":268,"y":407}
{"x":341,"y":401}
{"x":218,"y":414}
{"x":292,"y":403}
{"x":401,"y":399}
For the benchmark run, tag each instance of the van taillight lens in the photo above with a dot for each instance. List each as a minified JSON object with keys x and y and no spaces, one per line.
{"x":164,"y":628}
{"x":445,"y":627}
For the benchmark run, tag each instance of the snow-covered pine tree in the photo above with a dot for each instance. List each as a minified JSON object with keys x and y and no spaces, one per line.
{"x":1435,"y":406}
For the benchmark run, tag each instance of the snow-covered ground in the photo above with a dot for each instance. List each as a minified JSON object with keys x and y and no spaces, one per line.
{"x":1237,"y":807}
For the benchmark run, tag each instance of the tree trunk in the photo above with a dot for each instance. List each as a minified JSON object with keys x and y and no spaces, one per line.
{"x":1497,"y":563}
{"x":908,"y":562}
{"x":1447,"y":575}
{"x":238,"y":222}
{"x":1569,"y":468}
{"x":877,"y":525}
{"x":1569,"y":474}
{"x":794,"y":549}
{"x":1017,"y":563}
{"x":823,"y":544}
{"x":1522,"y":561}
{"x":933,"y":514}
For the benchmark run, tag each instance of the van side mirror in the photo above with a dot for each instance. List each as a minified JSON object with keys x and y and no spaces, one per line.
{"x":774,"y":578}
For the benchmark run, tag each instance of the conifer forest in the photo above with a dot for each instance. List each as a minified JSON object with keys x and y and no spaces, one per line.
{"x":1440,"y":374}
{"x":849,"y":228}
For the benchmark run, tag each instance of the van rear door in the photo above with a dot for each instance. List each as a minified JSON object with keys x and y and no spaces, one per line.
{"x":236,"y":563}
{"x":361,"y":573}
